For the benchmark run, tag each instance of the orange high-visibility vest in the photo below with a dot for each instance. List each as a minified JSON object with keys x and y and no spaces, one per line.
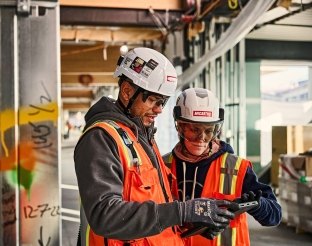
{"x":138,"y":174}
{"x":224,"y":180}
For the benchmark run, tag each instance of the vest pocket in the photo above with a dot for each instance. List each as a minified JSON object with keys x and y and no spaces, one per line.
{"x":143,"y":184}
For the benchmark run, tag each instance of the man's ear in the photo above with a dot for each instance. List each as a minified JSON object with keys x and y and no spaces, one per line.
{"x":126,"y":91}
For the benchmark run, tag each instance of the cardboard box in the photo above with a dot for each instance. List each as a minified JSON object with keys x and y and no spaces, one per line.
{"x":301,"y":165}
{"x":296,"y":201}
{"x":299,"y":138}
{"x":305,"y":218}
{"x":305,"y":195}
{"x":279,"y":146}
{"x":305,"y":206}
{"x":297,"y":162}
{"x":288,"y":189}
{"x":308,"y":166}
{"x":289,"y":140}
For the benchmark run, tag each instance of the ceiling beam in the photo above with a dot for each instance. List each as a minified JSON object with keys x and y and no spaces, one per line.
{"x":133,"y":4}
{"x":120,"y":35}
{"x":77,"y":106}
{"x":278,"y":50}
{"x":84,"y":59}
{"x":77,"y":93}
{"x":114,"y":17}
{"x":97,"y":79}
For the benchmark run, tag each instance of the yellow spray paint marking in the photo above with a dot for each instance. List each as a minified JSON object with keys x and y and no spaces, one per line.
{"x":44,"y":112}
{"x":49,"y":112}
{"x":8,"y":120}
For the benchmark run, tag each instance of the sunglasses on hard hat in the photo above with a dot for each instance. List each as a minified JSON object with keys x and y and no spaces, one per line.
{"x":155,"y":99}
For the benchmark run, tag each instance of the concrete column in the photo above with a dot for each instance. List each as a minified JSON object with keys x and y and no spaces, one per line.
{"x":8,"y":129}
{"x":310,"y":83}
{"x":30,"y":139}
{"x":242,"y":99}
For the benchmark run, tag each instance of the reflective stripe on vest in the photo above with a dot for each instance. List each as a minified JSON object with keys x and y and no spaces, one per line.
{"x":174,"y":183}
{"x":132,"y":157}
{"x":224,"y":180}
{"x":230,"y":165}
{"x":168,"y":159}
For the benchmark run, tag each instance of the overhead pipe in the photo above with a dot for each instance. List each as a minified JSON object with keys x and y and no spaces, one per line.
{"x":240,"y":27}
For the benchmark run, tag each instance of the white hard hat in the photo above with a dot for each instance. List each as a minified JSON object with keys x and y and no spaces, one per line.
{"x":148,"y":69}
{"x":198,"y":105}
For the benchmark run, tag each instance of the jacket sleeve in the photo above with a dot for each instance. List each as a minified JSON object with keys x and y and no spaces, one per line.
{"x":269,"y":213}
{"x":100,"y":181}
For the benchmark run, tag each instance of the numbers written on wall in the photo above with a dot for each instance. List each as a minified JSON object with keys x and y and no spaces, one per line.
{"x":42,"y":210}
{"x":41,"y":132}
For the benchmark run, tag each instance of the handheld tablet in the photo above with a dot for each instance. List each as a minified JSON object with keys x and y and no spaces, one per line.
{"x":240,"y":208}
{"x":237,"y":209}
{"x":193,"y":231}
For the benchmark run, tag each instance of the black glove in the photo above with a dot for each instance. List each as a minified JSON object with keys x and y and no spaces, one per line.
{"x":249,"y":197}
{"x":209,"y":212}
{"x":212,"y":233}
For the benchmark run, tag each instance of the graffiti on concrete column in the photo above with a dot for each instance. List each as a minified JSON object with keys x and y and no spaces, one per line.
{"x":41,"y":240}
{"x":31,"y":164}
{"x":41,"y":210}
{"x":8,"y":206}
{"x":47,"y":111}
{"x":41,"y":132}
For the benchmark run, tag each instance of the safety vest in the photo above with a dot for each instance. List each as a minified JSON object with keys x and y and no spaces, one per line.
{"x":139,"y":173}
{"x":224,"y":180}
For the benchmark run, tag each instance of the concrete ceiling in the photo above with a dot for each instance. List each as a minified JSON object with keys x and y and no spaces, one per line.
{"x":292,"y":24}
{"x":93,"y":31}
{"x":91,"y":35}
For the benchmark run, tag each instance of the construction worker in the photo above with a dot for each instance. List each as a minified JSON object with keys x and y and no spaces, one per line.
{"x":206,"y":167}
{"x":123,"y":181}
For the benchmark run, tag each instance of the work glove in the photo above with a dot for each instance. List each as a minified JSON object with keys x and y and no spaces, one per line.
{"x":249,"y":197}
{"x":212,"y":233}
{"x":207,"y":212}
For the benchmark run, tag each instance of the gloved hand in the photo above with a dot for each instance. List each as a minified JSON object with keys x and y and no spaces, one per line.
{"x":249,"y":197}
{"x":209,"y":212}
{"x":212,"y":233}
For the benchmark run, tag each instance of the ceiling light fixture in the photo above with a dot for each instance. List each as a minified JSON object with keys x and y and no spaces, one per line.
{"x":124,"y":49}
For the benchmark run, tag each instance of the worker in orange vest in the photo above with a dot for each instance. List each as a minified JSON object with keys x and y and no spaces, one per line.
{"x":123,"y":182}
{"x":206,"y":167}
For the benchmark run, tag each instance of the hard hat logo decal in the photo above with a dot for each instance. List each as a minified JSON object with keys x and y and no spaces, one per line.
{"x":152,"y":64}
{"x":202,"y":113}
{"x":146,"y":71}
{"x":137,"y":64}
{"x":148,"y":68}
{"x":171,"y":78}
{"x":128,"y":62}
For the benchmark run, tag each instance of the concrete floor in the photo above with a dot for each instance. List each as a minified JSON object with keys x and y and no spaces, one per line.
{"x":282,"y":235}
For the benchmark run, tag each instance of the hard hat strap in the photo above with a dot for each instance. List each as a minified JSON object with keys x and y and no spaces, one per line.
{"x":131,"y":100}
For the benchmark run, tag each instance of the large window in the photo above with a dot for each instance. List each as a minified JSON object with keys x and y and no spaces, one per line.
{"x":285,"y":91}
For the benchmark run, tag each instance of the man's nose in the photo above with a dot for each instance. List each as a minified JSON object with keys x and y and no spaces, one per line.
{"x":158,"y":108}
